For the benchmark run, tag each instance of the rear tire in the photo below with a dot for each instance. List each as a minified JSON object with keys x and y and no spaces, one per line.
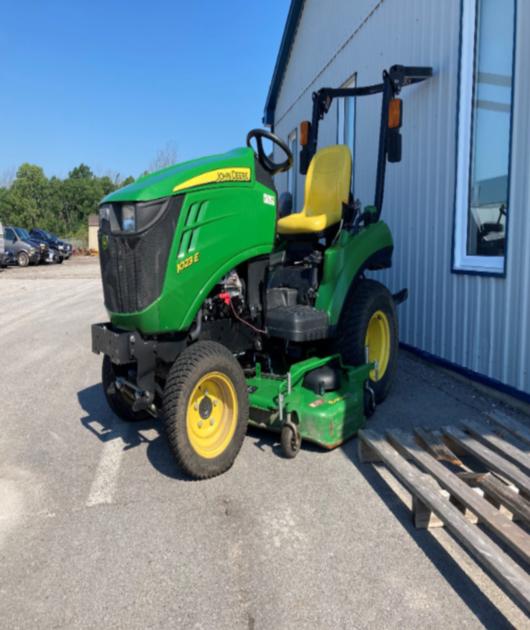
{"x":369,"y":313}
{"x":121,"y":407}
{"x":205,"y":409}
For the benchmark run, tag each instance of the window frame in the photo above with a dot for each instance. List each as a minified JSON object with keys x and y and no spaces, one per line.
{"x":462,"y":262}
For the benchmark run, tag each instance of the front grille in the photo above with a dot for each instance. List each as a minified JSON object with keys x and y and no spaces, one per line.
{"x":133,"y":265}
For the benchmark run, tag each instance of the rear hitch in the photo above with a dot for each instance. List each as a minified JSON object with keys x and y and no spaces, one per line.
{"x":141,"y":400}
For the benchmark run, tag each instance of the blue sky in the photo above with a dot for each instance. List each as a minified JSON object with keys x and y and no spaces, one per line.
{"x":109,"y":83}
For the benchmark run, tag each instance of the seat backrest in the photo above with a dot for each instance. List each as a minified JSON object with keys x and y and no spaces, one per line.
{"x":327,"y":183}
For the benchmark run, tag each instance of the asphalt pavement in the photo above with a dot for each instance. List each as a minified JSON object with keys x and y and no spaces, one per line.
{"x":99,"y":528}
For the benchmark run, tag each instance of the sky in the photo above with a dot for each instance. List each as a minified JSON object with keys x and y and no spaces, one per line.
{"x":110,"y":83}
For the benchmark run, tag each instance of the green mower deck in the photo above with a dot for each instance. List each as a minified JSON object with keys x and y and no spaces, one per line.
{"x":327,"y":418}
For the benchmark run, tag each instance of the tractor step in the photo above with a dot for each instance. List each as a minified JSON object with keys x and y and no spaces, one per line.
{"x":298,"y":322}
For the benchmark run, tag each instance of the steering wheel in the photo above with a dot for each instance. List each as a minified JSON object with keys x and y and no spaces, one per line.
{"x":263,"y":158}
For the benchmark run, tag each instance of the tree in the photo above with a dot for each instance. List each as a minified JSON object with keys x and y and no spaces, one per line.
{"x":81,"y":172}
{"x":29,"y":194}
{"x":166,"y":156}
{"x":59,"y":205}
{"x":127,"y":181}
{"x":7,"y":177}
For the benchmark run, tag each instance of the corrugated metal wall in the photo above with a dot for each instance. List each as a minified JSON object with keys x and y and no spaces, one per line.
{"x":481,"y":323}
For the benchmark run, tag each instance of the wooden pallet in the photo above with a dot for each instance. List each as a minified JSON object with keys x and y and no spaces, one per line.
{"x":448,"y":492}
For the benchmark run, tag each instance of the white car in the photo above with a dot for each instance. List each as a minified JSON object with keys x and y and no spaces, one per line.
{"x":3,"y":257}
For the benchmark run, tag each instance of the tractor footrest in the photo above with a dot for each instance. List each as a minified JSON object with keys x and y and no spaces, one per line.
{"x":297,"y":323}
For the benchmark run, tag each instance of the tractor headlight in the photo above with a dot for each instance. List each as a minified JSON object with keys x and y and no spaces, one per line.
{"x":131,"y":217}
{"x":128,"y":217}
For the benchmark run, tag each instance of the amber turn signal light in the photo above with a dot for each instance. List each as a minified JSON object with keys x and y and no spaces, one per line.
{"x":394,"y":113}
{"x":305,"y":127}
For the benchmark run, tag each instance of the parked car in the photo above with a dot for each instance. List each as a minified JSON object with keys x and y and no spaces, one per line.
{"x":10,"y":258}
{"x":45,"y":255}
{"x":64,"y":248}
{"x":49,"y":251}
{"x":53,"y":244}
{"x":24,"y":249}
{"x":3,"y":255}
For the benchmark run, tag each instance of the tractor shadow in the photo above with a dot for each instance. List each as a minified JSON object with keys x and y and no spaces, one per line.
{"x":102,"y":423}
{"x":462,"y":584}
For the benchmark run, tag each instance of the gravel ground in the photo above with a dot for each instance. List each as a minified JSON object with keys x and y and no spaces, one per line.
{"x":98,"y":528}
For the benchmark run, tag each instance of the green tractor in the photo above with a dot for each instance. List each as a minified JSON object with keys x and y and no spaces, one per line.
{"x":222,"y":314}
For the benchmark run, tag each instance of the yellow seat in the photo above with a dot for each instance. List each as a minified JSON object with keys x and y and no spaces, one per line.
{"x":327,"y":186}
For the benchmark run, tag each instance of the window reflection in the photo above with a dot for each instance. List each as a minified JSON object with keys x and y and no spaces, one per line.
{"x":490,"y":145}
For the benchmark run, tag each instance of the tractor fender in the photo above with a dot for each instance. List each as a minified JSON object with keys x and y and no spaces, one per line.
{"x":345,"y":262}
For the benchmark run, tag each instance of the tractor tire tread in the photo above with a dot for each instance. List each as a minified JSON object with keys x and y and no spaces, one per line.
{"x":352,"y":329}
{"x":176,"y":388}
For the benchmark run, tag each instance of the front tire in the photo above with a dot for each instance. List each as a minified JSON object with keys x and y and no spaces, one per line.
{"x":121,"y":407}
{"x":368,"y":326}
{"x":22,"y":259}
{"x":205,"y":409}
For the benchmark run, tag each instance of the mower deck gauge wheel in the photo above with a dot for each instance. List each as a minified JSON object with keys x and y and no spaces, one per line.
{"x":290,"y":440}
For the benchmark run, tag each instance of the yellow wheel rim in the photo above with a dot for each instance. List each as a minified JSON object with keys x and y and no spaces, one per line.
{"x":211,"y":417}
{"x":377,"y":344}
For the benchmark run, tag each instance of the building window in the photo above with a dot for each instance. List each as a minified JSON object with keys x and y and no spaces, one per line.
{"x":292,"y":173}
{"x":484,"y":133}
{"x":346,"y":124}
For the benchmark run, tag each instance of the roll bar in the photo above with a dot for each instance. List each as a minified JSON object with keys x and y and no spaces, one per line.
{"x":394,"y":80}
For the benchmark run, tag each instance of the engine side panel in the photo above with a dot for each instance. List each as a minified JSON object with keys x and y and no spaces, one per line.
{"x":218,"y":228}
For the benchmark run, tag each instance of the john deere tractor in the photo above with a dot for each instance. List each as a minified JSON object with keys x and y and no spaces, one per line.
{"x":222,"y":313}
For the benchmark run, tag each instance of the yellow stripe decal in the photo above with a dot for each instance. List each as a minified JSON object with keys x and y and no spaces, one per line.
{"x":218,"y":176}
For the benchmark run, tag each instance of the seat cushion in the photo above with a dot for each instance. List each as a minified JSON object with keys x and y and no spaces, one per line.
{"x":299,"y":223}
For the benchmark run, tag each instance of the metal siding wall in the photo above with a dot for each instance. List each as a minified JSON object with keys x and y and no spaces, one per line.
{"x":480,"y":323}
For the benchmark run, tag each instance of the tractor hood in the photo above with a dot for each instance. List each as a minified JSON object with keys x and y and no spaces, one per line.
{"x":235,"y":166}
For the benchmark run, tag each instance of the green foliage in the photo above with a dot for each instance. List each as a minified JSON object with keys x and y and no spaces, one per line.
{"x":59,"y":205}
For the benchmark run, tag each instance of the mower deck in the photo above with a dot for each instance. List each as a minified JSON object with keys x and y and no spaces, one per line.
{"x":327,"y":418}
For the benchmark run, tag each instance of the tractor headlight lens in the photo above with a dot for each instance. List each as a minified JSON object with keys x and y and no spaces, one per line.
{"x":128,"y":217}
{"x":131,"y":217}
